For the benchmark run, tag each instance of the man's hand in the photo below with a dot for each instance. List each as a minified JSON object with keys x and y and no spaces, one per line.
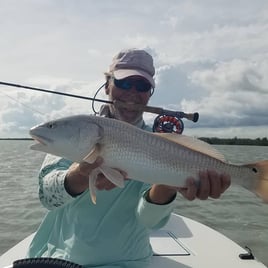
{"x":102,"y":183}
{"x":76,"y":180}
{"x":212,"y":184}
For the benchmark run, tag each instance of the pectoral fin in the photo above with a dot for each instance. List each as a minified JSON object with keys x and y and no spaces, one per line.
{"x":93,"y":154}
{"x":113,"y":175}
{"x":91,"y":184}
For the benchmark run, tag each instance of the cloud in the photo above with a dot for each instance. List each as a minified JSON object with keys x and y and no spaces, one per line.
{"x":22,"y":108}
{"x":174,"y":85}
{"x":229,"y":94}
{"x":210,"y":56}
{"x":237,"y":95}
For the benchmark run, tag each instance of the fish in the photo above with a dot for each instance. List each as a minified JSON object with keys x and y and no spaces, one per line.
{"x":153,"y":158}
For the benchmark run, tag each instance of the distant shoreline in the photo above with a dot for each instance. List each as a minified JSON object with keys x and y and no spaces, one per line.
{"x":213,"y":140}
{"x":236,"y":141}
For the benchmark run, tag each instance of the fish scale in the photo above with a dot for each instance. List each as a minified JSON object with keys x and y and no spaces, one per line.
{"x":160,"y":160}
{"x":148,"y":157}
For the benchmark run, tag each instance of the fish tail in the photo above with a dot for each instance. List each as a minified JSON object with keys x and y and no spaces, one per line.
{"x":261,"y":187}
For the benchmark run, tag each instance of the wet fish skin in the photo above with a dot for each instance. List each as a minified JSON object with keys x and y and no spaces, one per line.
{"x":149,"y":157}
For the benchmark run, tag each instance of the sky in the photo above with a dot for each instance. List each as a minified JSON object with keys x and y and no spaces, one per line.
{"x":211,"y":57}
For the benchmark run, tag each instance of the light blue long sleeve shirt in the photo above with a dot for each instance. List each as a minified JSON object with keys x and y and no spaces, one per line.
{"x":112,"y":233}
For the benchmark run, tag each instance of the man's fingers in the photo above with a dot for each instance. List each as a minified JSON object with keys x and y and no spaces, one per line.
{"x":102,"y":183}
{"x":215,"y":184}
{"x":86,"y":168}
{"x":190,"y":190}
{"x":204,"y":186}
{"x":211,"y":184}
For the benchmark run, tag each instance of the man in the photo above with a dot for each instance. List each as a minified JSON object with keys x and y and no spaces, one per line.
{"x":115,"y":231}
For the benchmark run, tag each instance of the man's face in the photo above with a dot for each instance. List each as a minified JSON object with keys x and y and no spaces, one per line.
{"x":132,"y":91}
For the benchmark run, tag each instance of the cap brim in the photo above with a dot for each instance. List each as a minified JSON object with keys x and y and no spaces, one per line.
{"x":123,"y":73}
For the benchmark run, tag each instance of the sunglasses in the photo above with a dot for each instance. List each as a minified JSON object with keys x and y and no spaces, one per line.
{"x":127,"y":84}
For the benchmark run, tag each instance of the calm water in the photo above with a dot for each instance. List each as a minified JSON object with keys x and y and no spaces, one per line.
{"x":238,"y":214}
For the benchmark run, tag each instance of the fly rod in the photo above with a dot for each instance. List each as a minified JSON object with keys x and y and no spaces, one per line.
{"x":156,"y":110}
{"x":53,"y":92}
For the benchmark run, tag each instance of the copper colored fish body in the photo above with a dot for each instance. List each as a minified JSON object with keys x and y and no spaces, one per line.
{"x":148,"y":157}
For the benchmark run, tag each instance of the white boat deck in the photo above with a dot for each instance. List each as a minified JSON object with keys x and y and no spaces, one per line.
{"x":182,"y":243}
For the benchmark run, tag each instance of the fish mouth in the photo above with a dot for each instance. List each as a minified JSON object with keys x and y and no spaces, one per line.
{"x":40,"y":140}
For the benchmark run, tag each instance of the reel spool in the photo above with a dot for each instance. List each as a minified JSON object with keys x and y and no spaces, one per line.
{"x":168,"y":124}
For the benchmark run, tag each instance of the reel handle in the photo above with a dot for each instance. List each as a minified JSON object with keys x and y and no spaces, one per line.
{"x":192,"y":116}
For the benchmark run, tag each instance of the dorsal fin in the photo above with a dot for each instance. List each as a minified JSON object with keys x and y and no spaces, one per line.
{"x":193,"y":144}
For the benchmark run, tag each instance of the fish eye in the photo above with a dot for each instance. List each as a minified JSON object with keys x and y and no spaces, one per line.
{"x":51,"y":125}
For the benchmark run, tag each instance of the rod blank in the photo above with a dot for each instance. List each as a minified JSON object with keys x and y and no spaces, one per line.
{"x":150,"y":109}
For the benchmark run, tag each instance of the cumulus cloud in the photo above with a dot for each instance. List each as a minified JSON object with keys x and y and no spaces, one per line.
{"x":210,"y":56}
{"x":236,"y":94}
{"x":21,"y":111}
{"x":23,"y":108}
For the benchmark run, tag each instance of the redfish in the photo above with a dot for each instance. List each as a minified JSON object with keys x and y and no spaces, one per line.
{"x":152,"y":158}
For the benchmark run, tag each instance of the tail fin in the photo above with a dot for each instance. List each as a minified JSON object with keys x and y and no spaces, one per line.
{"x":261,"y":168}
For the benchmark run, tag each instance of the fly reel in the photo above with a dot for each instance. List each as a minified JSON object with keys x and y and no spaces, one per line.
{"x":168,"y":124}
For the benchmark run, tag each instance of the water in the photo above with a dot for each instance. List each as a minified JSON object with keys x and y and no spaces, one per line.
{"x":238,"y":214}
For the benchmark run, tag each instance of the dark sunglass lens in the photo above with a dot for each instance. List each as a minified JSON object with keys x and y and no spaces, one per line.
{"x":142,"y":86}
{"x":122,"y":83}
{"x":126,"y":84}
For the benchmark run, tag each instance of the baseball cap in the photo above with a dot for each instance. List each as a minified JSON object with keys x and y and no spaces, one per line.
{"x":131,"y":62}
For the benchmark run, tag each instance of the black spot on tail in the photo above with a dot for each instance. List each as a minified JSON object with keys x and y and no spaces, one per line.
{"x":254,"y":170}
